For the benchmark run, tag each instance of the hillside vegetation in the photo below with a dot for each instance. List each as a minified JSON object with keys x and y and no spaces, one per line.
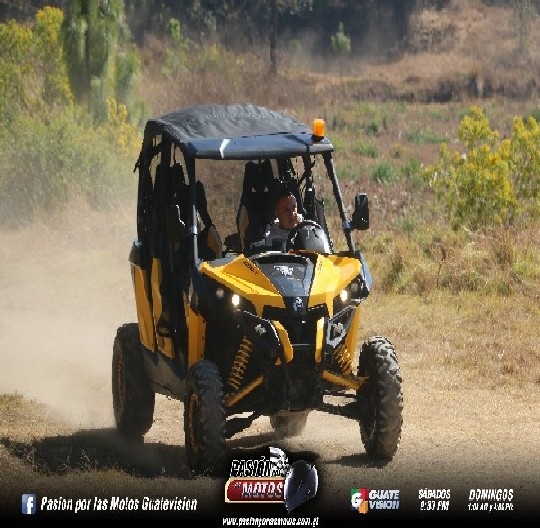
{"x":388,"y":115}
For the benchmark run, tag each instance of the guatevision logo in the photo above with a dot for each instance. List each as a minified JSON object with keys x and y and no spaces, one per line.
{"x":359,"y":499}
{"x":363,"y":499}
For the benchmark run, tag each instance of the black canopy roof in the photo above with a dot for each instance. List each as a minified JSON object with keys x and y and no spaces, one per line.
{"x":237,"y":131}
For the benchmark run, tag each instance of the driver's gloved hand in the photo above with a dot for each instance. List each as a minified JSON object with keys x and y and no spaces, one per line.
{"x":258,"y":244}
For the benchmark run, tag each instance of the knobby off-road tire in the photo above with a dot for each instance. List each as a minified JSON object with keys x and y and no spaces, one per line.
{"x":288,"y":424}
{"x":133,"y":397}
{"x":204,"y":420}
{"x":380,"y":399}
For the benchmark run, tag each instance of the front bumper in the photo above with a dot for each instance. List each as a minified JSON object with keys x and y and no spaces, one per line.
{"x":299,"y":358}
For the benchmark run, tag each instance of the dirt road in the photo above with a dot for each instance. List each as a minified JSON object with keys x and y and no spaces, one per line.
{"x":452,"y":440}
{"x":61,"y":301}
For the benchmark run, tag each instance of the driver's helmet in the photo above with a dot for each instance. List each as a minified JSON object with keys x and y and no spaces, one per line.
{"x":301,"y":484}
{"x":308,"y":236}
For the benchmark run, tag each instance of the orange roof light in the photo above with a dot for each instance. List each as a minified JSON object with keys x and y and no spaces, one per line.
{"x":318,"y":128}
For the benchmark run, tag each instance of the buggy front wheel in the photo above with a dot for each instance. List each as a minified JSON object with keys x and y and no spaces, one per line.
{"x":380,"y":398}
{"x":132,"y":395}
{"x":204,"y":419}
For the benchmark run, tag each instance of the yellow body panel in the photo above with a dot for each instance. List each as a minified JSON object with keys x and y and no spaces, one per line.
{"x":245,"y":279}
{"x":319,"y":340}
{"x":165,"y":344}
{"x":142,"y":303}
{"x":197,"y":332}
{"x":284,"y":338}
{"x":332,"y":274}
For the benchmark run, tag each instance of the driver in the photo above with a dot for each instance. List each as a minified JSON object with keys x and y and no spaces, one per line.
{"x":287,"y":217}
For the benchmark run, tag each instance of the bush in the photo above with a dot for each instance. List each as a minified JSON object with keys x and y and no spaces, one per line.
{"x":384,"y":173}
{"x":493,"y":183}
{"x":17,"y":52}
{"x":44,"y":161}
{"x":366,"y":149}
{"x":475,"y":186}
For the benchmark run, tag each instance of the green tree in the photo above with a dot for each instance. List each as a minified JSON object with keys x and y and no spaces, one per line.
{"x":94,"y":33}
{"x":341,"y":46}
{"x":33,"y":71}
{"x":49,"y":146}
{"x":524,"y":156}
{"x":174,"y":30}
{"x":271,"y":10}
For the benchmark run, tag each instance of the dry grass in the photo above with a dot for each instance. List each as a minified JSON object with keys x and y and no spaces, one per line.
{"x":464,"y":50}
{"x":465,"y":339}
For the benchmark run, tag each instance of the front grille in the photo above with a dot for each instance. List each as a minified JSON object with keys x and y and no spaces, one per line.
{"x":301,"y":330}
{"x":304,"y":353}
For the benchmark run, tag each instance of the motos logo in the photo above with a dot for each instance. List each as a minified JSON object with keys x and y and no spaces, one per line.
{"x":359,"y":499}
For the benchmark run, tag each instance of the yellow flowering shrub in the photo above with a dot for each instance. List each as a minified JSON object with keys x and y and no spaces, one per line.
{"x":120,"y":132}
{"x":56,"y":87}
{"x":16,"y":50}
{"x":492,"y":182}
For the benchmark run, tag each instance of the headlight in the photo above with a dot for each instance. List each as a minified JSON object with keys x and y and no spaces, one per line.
{"x":352,"y":294}
{"x":222,"y":296}
{"x":341,"y":301}
{"x":222,"y":300}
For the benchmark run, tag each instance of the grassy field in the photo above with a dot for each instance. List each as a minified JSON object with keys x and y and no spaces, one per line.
{"x":484,"y":341}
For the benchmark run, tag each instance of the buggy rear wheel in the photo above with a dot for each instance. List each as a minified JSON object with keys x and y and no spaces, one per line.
{"x":204,"y":420}
{"x":289,"y":423}
{"x":380,"y":398}
{"x":132,"y":394}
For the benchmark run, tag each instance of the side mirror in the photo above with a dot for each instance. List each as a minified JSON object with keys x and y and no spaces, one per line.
{"x":176,"y":228}
{"x":360,"y":217}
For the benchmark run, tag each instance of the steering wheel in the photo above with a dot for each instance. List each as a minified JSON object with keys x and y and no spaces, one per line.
{"x":294,"y":231}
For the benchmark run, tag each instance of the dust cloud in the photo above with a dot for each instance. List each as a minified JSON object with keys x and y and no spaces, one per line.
{"x":65,"y":287}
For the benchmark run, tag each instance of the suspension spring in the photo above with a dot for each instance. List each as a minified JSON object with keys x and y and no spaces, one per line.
{"x":236,"y":375}
{"x":344,"y":359}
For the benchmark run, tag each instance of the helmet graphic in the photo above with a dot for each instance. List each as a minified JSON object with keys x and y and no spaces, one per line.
{"x":310,"y":236}
{"x":301,"y":484}
{"x":280,"y":462}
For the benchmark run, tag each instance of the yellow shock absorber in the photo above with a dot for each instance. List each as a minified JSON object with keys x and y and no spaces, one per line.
{"x":236,"y":376}
{"x":344,"y":359}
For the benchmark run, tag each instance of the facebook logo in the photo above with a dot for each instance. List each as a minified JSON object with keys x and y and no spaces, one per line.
{"x":28,"y":504}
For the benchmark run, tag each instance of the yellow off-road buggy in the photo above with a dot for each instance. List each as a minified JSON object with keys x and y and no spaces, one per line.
{"x":236,"y":330}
